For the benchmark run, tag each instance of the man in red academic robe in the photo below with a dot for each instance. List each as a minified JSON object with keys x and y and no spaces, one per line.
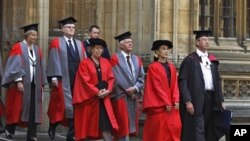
{"x":161,"y":97}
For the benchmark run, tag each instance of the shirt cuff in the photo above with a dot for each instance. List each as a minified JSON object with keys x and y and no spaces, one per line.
{"x":54,"y":78}
{"x":136,"y":88}
{"x":19,"y":79}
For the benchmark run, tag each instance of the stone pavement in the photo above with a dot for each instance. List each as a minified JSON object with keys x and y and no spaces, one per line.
{"x":21,"y":136}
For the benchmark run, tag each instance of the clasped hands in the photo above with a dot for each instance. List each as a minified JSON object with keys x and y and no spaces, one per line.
{"x":103,"y":93}
{"x":169,"y":108}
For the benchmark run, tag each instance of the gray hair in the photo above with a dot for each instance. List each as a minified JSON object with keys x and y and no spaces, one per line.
{"x":26,"y":34}
{"x":121,"y":43}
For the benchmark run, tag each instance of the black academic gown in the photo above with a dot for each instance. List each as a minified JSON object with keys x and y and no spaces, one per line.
{"x":192,"y":88}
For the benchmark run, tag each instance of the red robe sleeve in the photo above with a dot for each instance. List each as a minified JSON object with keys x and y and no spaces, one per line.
{"x":155,"y":94}
{"x":84,"y":89}
{"x":174,"y":84}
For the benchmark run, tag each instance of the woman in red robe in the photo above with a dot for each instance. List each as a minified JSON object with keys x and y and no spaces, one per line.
{"x":93,"y":113}
{"x":161,"y":97}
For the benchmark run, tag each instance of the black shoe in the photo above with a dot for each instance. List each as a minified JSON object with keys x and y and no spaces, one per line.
{"x":2,"y":130}
{"x":51,"y":133}
{"x":70,"y":139}
{"x":8,"y":135}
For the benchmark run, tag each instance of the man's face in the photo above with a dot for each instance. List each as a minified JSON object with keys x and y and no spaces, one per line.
{"x":202,"y":43}
{"x":127,"y":45}
{"x":69,"y":30}
{"x":95,"y":33}
{"x":32,"y":37}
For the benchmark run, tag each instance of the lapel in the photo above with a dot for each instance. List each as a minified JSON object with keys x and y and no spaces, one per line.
{"x":123,"y":65}
{"x":25,"y":52}
{"x":213,"y":70}
{"x":63,"y":46}
{"x":136,"y":64}
{"x":197,"y":65}
{"x":78,"y":46}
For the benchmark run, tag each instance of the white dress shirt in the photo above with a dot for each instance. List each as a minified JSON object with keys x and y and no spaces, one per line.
{"x":206,"y":70}
{"x":67,"y":41}
{"x":32,"y":60}
{"x":72,"y":42}
{"x":132,"y":66}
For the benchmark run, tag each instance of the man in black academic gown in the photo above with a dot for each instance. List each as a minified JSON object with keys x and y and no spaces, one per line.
{"x":200,"y":93}
{"x":94,"y":32}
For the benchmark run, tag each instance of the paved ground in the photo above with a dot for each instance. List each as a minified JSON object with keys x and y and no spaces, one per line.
{"x":21,"y":136}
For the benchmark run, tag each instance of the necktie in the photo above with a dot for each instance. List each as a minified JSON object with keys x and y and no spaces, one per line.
{"x":31,"y":52}
{"x":33,"y":64}
{"x":72,"y":49}
{"x":129,"y":64}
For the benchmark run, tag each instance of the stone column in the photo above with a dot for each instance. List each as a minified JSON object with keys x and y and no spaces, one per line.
{"x":43,"y":42}
{"x":175,"y":30}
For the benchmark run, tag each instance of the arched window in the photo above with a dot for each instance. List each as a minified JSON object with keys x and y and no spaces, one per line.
{"x":228,"y":18}
{"x":206,"y":15}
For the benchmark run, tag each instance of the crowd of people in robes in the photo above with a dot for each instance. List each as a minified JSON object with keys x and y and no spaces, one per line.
{"x":96,"y":95}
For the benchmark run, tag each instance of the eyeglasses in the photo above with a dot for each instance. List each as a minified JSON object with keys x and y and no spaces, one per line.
{"x":73,"y":27}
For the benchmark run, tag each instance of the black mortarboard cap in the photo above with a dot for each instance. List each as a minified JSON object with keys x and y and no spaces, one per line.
{"x":123,"y":36}
{"x":156,"y":44}
{"x":69,"y":20}
{"x":97,"y":41}
{"x":102,"y":85}
{"x":201,"y":33}
{"x":30,"y":27}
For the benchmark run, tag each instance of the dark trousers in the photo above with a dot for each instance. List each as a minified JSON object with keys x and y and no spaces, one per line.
{"x":32,"y":126}
{"x":203,"y":121}
{"x":71,"y":133}
{"x":32,"y":129}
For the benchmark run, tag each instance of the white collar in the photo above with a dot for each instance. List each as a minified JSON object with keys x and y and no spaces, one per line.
{"x":125,"y":54}
{"x":201,"y":54}
{"x":67,"y":39}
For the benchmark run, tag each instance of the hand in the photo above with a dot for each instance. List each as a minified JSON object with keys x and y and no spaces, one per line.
{"x":131,"y":90}
{"x":134,"y":96}
{"x":55,"y":83}
{"x":103,"y":93}
{"x":106,"y":92}
{"x":190,"y":108}
{"x":223,"y":105}
{"x":42,"y":94}
{"x":20,"y":86}
{"x":176,"y":105}
{"x":168,"y":108}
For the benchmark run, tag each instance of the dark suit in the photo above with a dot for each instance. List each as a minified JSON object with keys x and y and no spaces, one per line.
{"x":192,"y":88}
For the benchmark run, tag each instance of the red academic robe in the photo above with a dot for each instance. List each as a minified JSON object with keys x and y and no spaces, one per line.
{"x":86,"y":102}
{"x":56,"y":95}
{"x":161,"y":125}
{"x":2,"y":108}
